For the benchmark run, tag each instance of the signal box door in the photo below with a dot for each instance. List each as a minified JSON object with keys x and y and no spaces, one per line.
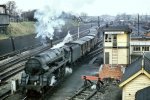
{"x":115,"y":40}
{"x":106,"y":57}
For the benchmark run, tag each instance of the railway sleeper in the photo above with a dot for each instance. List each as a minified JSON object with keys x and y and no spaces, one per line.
{"x":78,"y":99}
{"x":92,"y":94}
{"x":83,"y":93}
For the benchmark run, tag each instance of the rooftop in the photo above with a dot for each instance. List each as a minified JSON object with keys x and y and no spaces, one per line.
{"x":140,"y":36}
{"x":141,"y":63}
{"x":116,"y":28}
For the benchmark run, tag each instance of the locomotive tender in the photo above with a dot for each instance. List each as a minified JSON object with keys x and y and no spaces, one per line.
{"x":47,"y":69}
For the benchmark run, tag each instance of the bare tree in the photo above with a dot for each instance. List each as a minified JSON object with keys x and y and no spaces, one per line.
{"x":29,"y":15}
{"x":11,"y":7}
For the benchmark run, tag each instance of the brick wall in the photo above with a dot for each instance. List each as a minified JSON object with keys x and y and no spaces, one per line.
{"x":107,"y":71}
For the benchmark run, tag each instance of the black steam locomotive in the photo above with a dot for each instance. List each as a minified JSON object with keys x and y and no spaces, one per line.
{"x":47,"y":69}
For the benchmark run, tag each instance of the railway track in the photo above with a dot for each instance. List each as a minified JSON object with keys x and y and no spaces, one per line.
{"x":9,"y":68}
{"x":84,"y":93}
{"x":15,"y":65}
{"x":21,"y":57}
{"x":97,"y":50}
{"x":97,"y":96}
{"x":13,"y":53}
{"x":12,"y":71}
{"x":5,"y":95}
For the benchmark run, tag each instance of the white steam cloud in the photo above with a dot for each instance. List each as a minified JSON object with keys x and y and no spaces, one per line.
{"x":68,"y":70}
{"x":53,"y":80}
{"x":48,"y":17}
{"x":67,"y":39}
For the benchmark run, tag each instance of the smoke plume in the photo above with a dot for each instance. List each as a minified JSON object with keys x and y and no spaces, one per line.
{"x":48,"y":16}
{"x":67,"y":39}
{"x":48,"y":19}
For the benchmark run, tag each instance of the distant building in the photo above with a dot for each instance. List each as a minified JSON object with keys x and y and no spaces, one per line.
{"x":116,"y":45}
{"x":4,"y":19}
{"x":135,"y":78}
{"x":139,"y":44}
{"x":3,"y":9}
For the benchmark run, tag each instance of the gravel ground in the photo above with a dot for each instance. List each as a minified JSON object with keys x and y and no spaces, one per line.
{"x":74,"y":82}
{"x":70,"y":84}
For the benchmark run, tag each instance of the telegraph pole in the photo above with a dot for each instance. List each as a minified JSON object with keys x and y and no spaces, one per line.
{"x":138,"y":24}
{"x":78,"y":29}
{"x":98,"y":27}
{"x":98,"y":22}
{"x":78,"y":21}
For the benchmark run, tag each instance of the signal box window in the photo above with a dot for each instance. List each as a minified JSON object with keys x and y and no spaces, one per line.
{"x":145,"y":48}
{"x":108,"y":38}
{"x":136,"y":48}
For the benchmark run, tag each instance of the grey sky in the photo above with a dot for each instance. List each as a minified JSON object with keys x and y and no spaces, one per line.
{"x":92,"y":7}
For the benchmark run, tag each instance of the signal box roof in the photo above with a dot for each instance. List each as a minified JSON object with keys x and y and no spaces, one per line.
{"x":116,"y":29}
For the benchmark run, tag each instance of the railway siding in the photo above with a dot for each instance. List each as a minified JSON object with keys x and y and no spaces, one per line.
{"x":8,"y":69}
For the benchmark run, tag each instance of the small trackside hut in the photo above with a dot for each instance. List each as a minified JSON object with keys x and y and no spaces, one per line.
{"x":135,"y":78}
